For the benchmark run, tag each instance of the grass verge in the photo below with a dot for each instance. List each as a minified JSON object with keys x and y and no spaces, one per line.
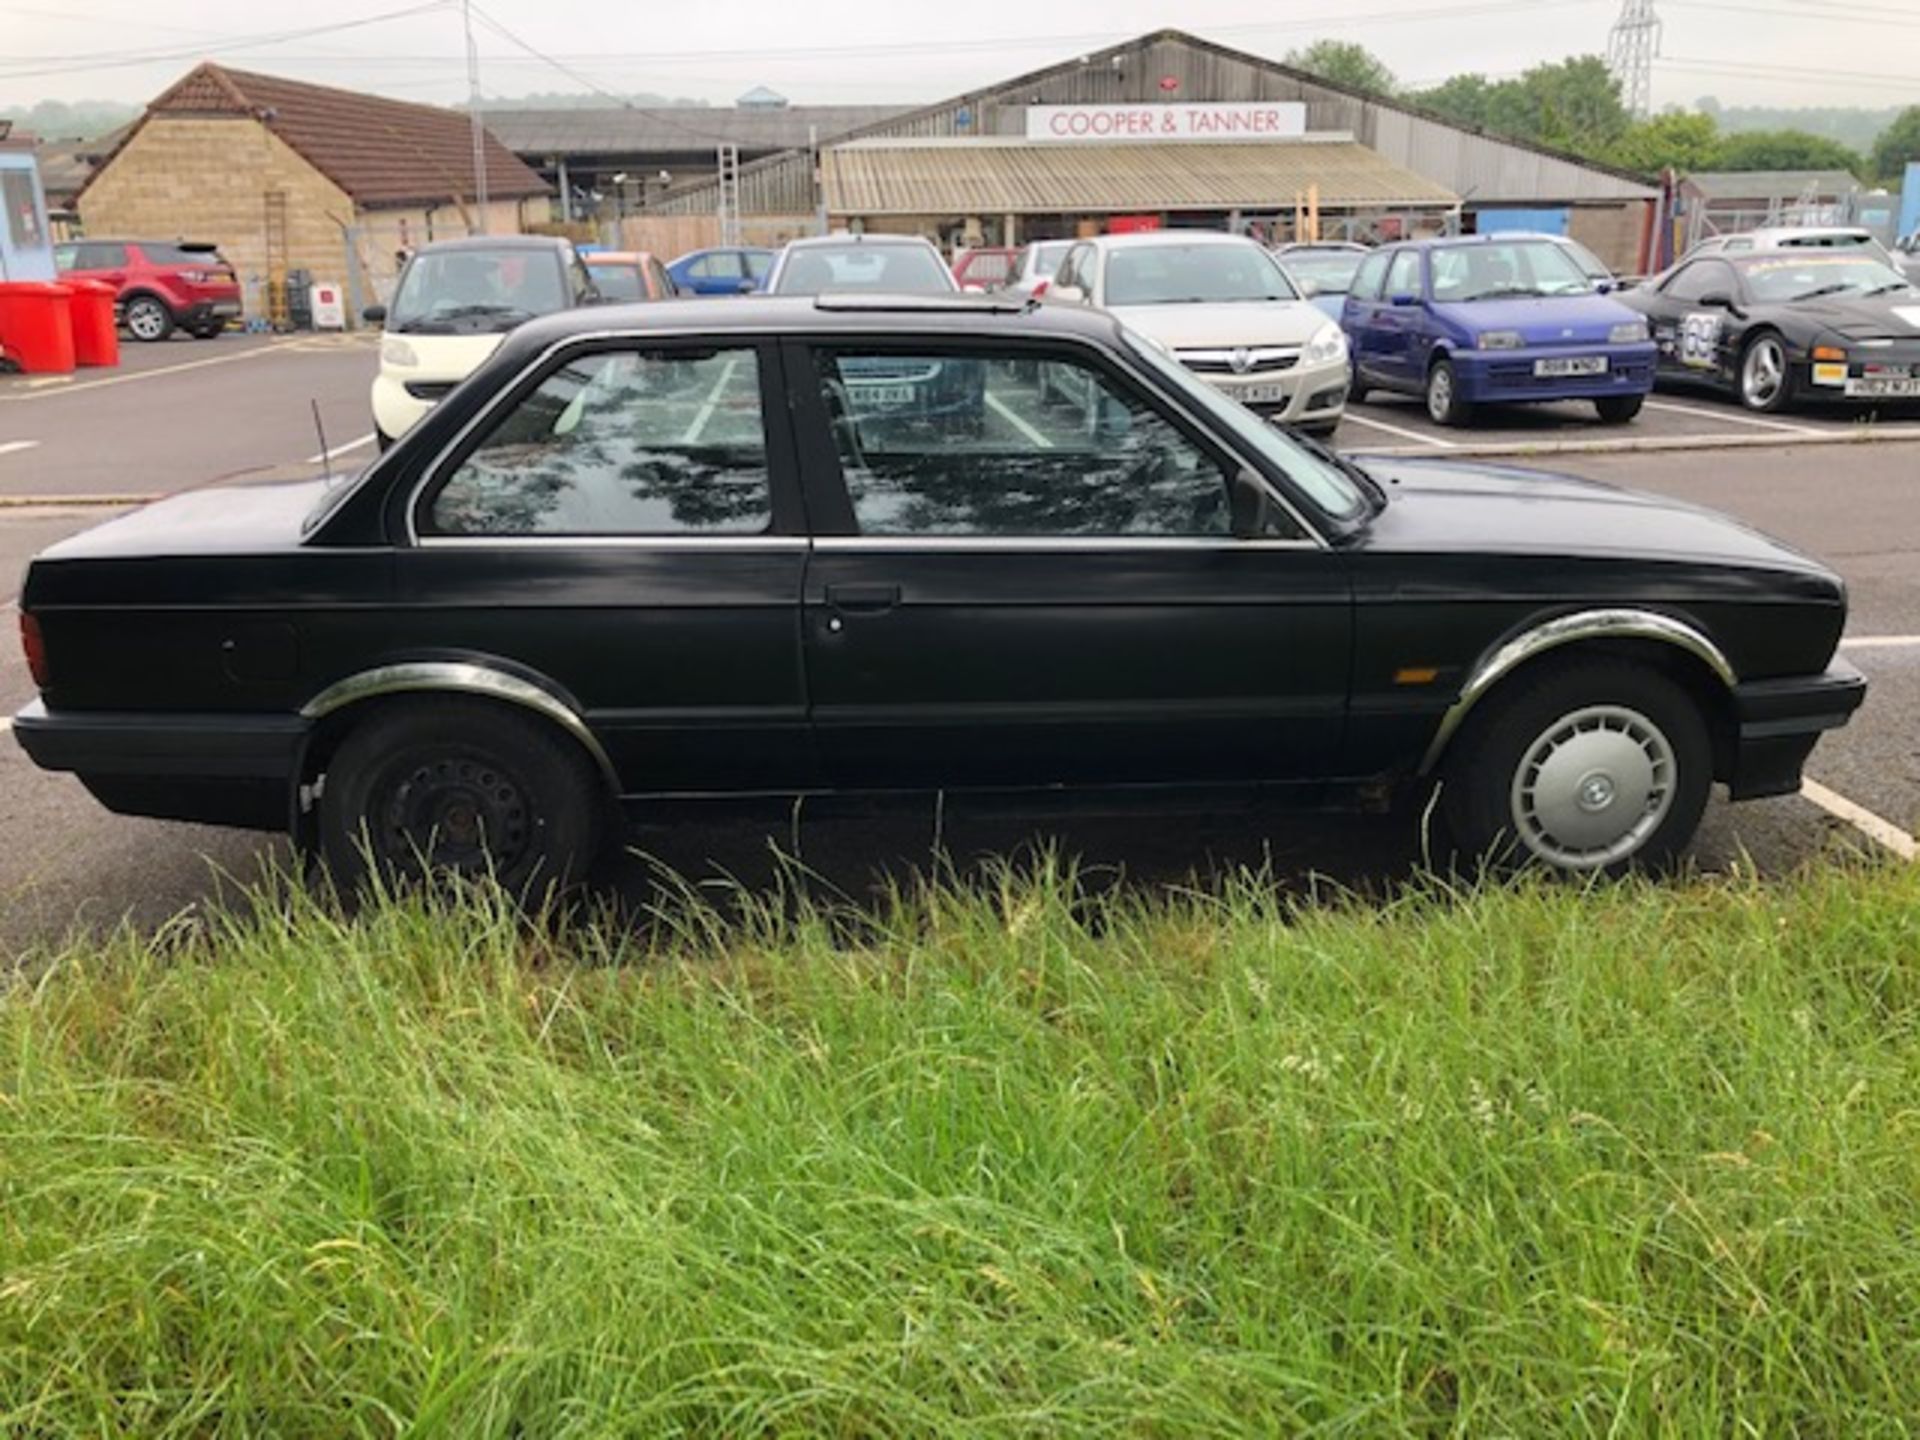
{"x":1008,"y":1163}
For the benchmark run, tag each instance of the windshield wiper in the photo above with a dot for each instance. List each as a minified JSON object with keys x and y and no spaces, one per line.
{"x":1508,"y":292}
{"x":1817,"y":294}
{"x":1889,"y":289}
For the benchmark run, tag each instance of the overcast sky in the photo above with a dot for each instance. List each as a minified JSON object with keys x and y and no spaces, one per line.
{"x":1800,"y":52}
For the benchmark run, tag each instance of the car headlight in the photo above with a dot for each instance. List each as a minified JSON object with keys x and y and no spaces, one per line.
{"x":1328,"y":344}
{"x":395,"y":351}
{"x":1634,"y":332}
{"x":1503,"y":340}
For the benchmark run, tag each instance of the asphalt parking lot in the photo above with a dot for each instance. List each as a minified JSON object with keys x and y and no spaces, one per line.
{"x":184,"y":413}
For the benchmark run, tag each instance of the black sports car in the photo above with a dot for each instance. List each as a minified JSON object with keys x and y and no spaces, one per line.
{"x":1779,"y":326}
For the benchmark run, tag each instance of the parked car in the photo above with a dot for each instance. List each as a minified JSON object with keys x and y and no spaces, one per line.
{"x":1476,"y":320}
{"x":453,"y":302}
{"x":649,"y":551}
{"x":163,"y":285}
{"x":722,"y":270}
{"x":895,"y":264}
{"x":1033,"y":269}
{"x":986,"y":267}
{"x":1779,"y":326}
{"x":624,"y":276}
{"x":1223,"y":307}
{"x":1323,"y":273}
{"x":1906,"y":255}
{"x":1793,"y":237}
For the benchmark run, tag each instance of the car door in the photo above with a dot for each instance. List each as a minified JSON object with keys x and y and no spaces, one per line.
{"x":1399,"y":322}
{"x":1692,"y":337}
{"x":1360,"y":312}
{"x":625,"y":522}
{"x":1008,"y":592}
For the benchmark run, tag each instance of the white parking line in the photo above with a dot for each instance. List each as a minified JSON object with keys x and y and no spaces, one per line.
{"x":1733,"y":418}
{"x":275,"y":347}
{"x":13,"y":447}
{"x":1881,"y":832}
{"x":699,"y":425}
{"x":1878,"y":642}
{"x":337,"y":451}
{"x":1007,"y":413}
{"x":1433,"y":440}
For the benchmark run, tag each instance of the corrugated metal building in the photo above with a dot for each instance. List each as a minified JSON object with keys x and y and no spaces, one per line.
{"x":1606,"y":208}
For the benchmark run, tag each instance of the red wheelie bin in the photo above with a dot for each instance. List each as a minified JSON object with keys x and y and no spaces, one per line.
{"x":96,"y":339}
{"x":36,"y":326}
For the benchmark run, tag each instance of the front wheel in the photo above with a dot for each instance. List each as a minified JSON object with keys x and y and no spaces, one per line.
{"x":1766,"y":377}
{"x":447,"y":785}
{"x":1583,"y":766}
{"x":1444,"y":405}
{"x":1619,"y":409}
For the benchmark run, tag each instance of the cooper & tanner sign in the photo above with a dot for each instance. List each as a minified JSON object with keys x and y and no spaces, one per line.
{"x":1254,"y":120}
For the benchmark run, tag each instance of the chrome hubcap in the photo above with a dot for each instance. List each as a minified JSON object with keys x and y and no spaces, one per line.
{"x":1593,"y":787}
{"x":1440,"y":394}
{"x":1766,"y":372}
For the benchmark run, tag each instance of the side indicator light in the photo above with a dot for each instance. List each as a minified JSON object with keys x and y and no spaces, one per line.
{"x":1416,"y":675}
{"x":1829,"y":352}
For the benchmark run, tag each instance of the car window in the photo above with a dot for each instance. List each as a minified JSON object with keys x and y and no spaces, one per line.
{"x":658,"y":281}
{"x":971,"y":443}
{"x":894,"y":269}
{"x":1404,"y":278}
{"x":1044,"y":259}
{"x":64,"y":256}
{"x":1367,"y":280}
{"x":620,"y":282}
{"x":1076,"y":268}
{"x":197,"y":256}
{"x":702,"y":268}
{"x":623,"y":442}
{"x":1332,"y":270}
{"x":1699,"y":279}
{"x":724,"y":265}
{"x":91,"y":255}
{"x":758,"y":263}
{"x":475,"y":290}
{"x":1591,"y":265}
{"x":24,"y":223}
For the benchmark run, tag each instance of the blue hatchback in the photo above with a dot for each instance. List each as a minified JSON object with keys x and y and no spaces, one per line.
{"x":724,"y":270}
{"x":1493,"y":319}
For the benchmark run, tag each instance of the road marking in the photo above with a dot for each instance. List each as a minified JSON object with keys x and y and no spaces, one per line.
{"x":699,"y":425}
{"x":337,"y":451}
{"x":1878,"y":642}
{"x":1433,"y":440}
{"x":5,"y":725}
{"x":1019,"y":422}
{"x":11,"y":447}
{"x":1882,"y":832}
{"x":41,"y":382}
{"x":273,"y":347}
{"x":1733,"y":418}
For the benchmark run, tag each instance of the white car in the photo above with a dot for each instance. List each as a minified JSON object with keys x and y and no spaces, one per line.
{"x":888,"y":264}
{"x":454,"y":302}
{"x":1223,"y":307}
{"x":1034,"y":267}
{"x":1795,"y":237}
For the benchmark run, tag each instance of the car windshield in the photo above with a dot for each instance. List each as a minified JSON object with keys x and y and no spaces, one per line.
{"x":1331,"y":270}
{"x":617,"y":281}
{"x":1047,"y":257}
{"x":1801,"y":276}
{"x":1172,"y":273}
{"x":1505,"y":270}
{"x":894,"y":269}
{"x":476,"y":291}
{"x":1330,"y":489}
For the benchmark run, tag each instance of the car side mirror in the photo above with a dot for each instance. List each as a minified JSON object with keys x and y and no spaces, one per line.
{"x":1252,"y":505}
{"x":1068,"y":294}
{"x":1717,"y":300}
{"x":374,"y":314}
{"x":1403,"y":301}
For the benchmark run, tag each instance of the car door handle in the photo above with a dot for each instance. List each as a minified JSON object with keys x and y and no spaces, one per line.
{"x":863,"y":599}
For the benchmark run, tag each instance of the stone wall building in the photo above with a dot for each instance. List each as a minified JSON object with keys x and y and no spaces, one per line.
{"x":285,"y":176}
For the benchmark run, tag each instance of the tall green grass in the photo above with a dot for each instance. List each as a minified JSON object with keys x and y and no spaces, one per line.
{"x":1005,"y":1163}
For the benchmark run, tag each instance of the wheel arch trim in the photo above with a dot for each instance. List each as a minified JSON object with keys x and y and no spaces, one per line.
{"x":1612,"y":624}
{"x":463,"y":677}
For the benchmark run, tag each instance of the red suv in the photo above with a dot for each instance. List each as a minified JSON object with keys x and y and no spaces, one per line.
{"x":163,"y":284}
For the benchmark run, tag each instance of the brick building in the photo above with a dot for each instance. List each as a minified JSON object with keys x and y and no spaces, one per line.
{"x":286,"y":176}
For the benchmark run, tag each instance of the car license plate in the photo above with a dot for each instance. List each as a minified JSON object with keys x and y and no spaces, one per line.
{"x":1259,"y":394}
{"x":1572,"y":365}
{"x":1885,"y":387}
{"x":885,"y":397}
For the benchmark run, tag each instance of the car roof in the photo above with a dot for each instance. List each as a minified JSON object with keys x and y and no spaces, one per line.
{"x":618,"y":257}
{"x":138,"y":240}
{"x":495,"y":242}
{"x":1338,"y":247}
{"x":843,"y":238}
{"x":1149,"y":238}
{"x":959,"y":314}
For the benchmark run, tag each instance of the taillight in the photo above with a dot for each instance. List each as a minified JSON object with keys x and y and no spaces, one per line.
{"x":35,"y":645}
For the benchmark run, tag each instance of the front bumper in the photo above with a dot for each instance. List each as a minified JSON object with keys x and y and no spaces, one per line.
{"x":1504,"y":377}
{"x":1884,"y":372}
{"x":1311,"y":395}
{"x":1778,"y":722}
{"x":394,"y":410}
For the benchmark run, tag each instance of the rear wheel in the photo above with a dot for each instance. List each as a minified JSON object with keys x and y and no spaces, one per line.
{"x":1444,"y":405}
{"x":1619,"y":409}
{"x":447,"y":785}
{"x":148,"y":318}
{"x":1583,"y":766}
{"x":1766,"y":377}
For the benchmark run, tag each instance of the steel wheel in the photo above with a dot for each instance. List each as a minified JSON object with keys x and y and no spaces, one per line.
{"x":147,"y":319}
{"x":1593,"y":788}
{"x":1440,"y":395}
{"x":1763,"y":374}
{"x":455,"y":814}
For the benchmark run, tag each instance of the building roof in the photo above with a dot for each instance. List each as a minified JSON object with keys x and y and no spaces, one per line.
{"x":667,"y":129}
{"x":65,"y":165}
{"x":380,"y":151}
{"x":1007,"y":176}
{"x":1770,"y":184}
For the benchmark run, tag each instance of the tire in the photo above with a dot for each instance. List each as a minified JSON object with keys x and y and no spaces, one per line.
{"x":447,"y":785}
{"x":147,"y":318}
{"x":1535,"y":777}
{"x":1357,"y":390}
{"x":382,"y":442}
{"x":1619,"y":409}
{"x":208,"y":332}
{"x":1765,"y":377}
{"x":1444,"y":405}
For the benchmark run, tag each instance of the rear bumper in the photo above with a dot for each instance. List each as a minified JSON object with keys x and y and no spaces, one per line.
{"x":212,"y":768}
{"x":1778,"y":722}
